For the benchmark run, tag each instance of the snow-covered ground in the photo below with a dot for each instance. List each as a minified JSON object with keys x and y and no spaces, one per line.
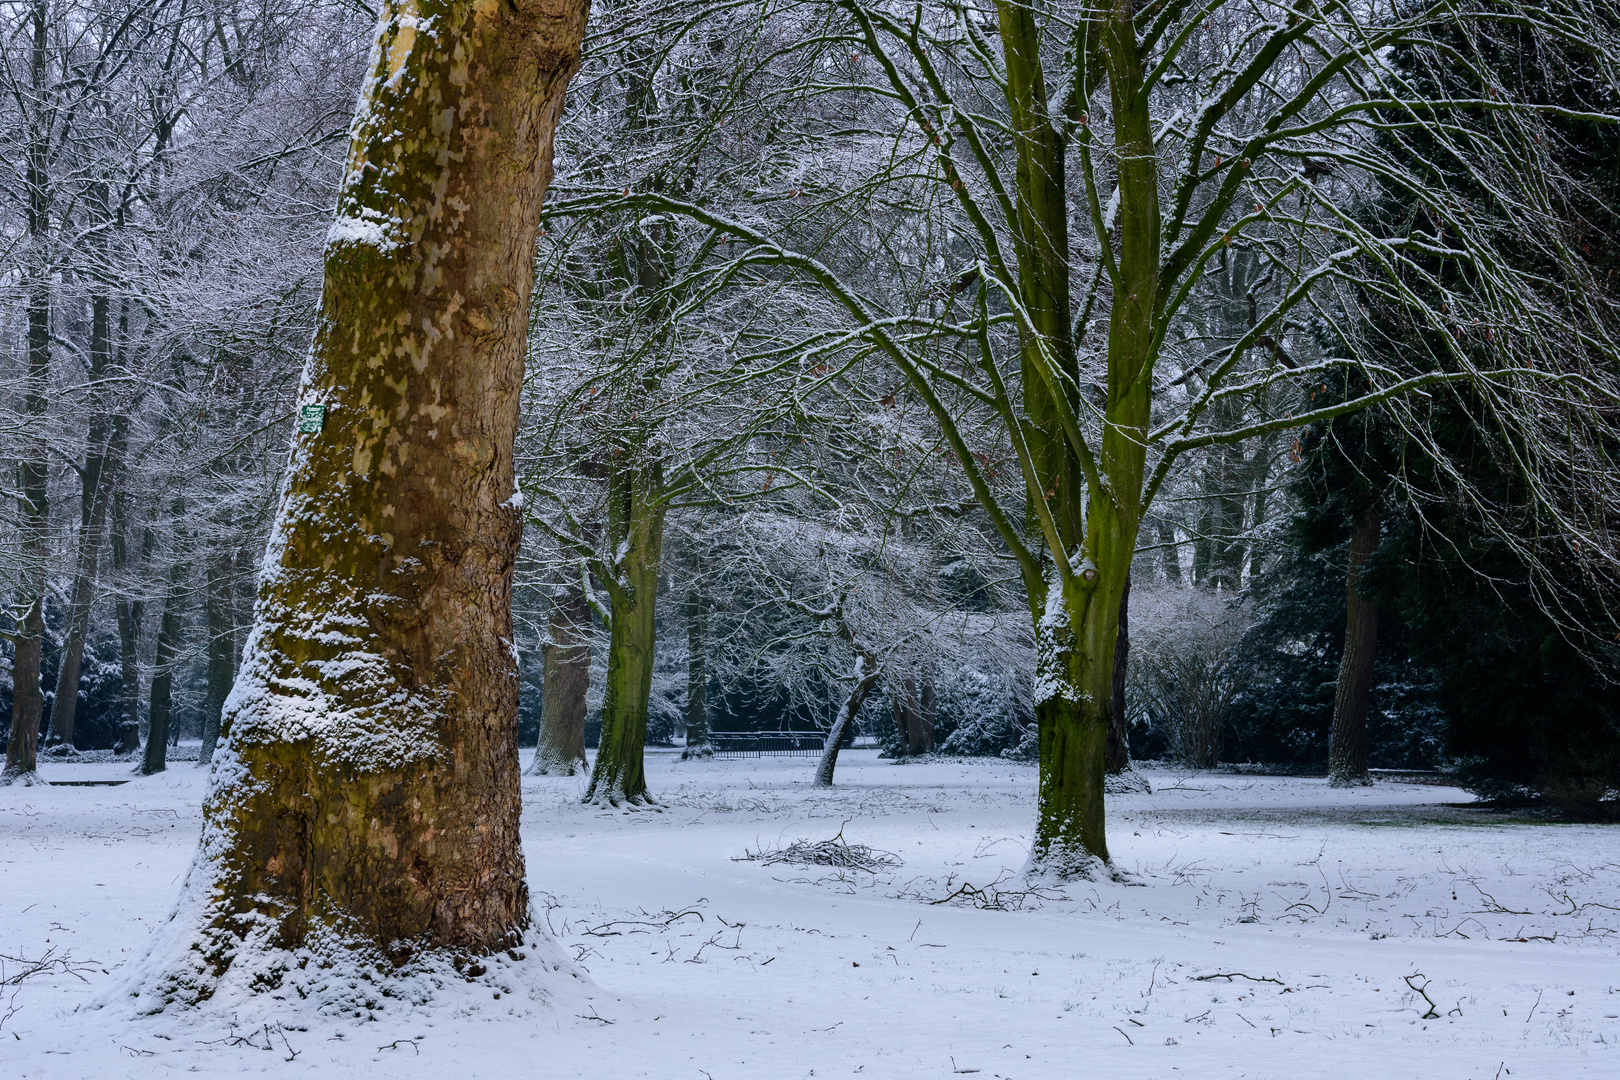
{"x":1275,"y":928}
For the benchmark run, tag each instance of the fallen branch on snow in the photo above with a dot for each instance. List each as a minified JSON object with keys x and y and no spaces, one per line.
{"x":834,"y":852}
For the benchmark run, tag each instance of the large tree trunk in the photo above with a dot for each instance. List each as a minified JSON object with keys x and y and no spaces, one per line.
{"x":1077,"y":610}
{"x":561,"y":751}
{"x":1347,"y":746}
{"x":697,"y":680}
{"x":635,"y":527}
{"x":366,"y":802}
{"x":160,"y":709}
{"x":33,"y":474}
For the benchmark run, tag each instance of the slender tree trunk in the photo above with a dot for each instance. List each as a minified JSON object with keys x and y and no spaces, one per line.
{"x":27,"y":701}
{"x":635,"y":526}
{"x":561,"y":751}
{"x":33,"y":474}
{"x":160,"y":709}
{"x":1119,"y":745}
{"x":96,"y":490}
{"x":866,"y":675}
{"x":367,"y":803}
{"x":1347,"y":746}
{"x":91,"y":527}
{"x":697,"y":680}
{"x":1172,"y":554}
{"x":130,"y":613}
{"x":221,"y":623}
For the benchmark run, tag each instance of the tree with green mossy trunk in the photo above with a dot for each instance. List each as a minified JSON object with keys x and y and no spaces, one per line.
{"x":636,"y":506}
{"x":1169,"y":134}
{"x":364,"y":797}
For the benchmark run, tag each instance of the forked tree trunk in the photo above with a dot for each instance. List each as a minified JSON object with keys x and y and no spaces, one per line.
{"x":1347,"y":745}
{"x":366,"y":796}
{"x":1076,"y":628}
{"x":561,"y":750}
{"x":635,"y":527}
{"x":27,"y":700}
{"x":697,"y":680}
{"x":914,"y":715}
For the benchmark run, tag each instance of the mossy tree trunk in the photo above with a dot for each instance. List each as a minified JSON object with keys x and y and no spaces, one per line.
{"x":1119,"y":743}
{"x":561,"y":750}
{"x":366,"y":784}
{"x":1347,"y":744}
{"x":635,"y":534}
{"x":1077,"y":606}
{"x":697,"y":678}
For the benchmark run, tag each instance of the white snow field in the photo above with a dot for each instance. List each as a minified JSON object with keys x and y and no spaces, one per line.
{"x":1275,"y":928}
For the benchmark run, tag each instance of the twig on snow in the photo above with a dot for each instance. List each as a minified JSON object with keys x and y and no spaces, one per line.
{"x":1432,"y":1014}
{"x":1230,"y":975}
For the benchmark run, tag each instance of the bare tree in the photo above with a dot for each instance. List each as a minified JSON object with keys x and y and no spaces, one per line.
{"x":1170,"y":135}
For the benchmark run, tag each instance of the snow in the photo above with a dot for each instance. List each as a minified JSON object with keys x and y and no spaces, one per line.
{"x":695,"y":963}
{"x":361,"y":230}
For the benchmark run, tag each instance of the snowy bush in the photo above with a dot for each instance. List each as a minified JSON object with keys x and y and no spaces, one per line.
{"x":1182,"y":675}
{"x":983,"y":714}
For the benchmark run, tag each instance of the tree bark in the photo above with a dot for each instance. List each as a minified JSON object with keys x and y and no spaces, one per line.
{"x":129,"y":610}
{"x":914,"y":714}
{"x":160,"y":709}
{"x":1076,"y":607}
{"x":1172,"y":556}
{"x":561,"y":751}
{"x":1347,"y":745}
{"x":366,"y":797}
{"x":635,"y":527}
{"x":697,"y":680}
{"x":221,"y":628}
{"x":33,"y":474}
{"x":1119,"y":744}
{"x":92,"y":520}
{"x":866,"y":676}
